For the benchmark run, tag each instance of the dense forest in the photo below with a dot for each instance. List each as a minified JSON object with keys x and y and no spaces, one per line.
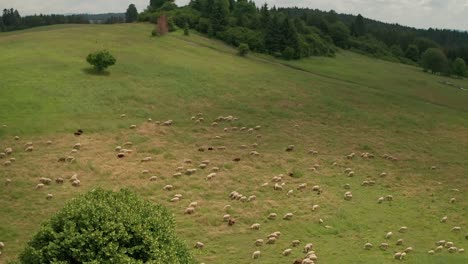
{"x":288,"y":33}
{"x":294,"y":33}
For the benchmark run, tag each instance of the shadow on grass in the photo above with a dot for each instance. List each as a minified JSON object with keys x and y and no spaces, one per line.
{"x":93,"y":71}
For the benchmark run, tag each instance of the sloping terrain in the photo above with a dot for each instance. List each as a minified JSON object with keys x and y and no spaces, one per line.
{"x":335,"y":106}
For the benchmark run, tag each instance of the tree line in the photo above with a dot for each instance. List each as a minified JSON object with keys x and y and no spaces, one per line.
{"x":294,"y":33}
{"x":12,"y":20}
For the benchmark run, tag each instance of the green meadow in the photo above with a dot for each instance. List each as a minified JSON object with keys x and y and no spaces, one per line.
{"x":336,"y":106}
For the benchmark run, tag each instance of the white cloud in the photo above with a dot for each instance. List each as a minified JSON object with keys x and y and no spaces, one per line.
{"x":417,"y":13}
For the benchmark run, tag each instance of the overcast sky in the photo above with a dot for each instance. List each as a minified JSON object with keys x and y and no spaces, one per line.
{"x":451,"y":14}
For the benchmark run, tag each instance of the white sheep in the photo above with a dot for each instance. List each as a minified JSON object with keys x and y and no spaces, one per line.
{"x":389,"y":235}
{"x":383,"y":246}
{"x":272,"y":216}
{"x":175,"y":199}
{"x":199,"y":245}
{"x":403,"y":229}
{"x":256,"y":254}
{"x":431,"y":252}
{"x":168,"y":187}
{"x":146,"y":159}
{"x":315,"y":207}
{"x":211,"y":176}
{"x":439,"y":248}
{"x":452,"y":249}
{"x":278,"y":187}
{"x":288,"y":216}
{"x":252,"y":198}
{"x":302,"y":186}
{"x":408,"y":250}
{"x":368,"y":246}
{"x":49,"y":196}
{"x":193,"y":204}
{"x":461,"y":250}
{"x":2,"y":245}
{"x":295,"y":243}
{"x":456,"y":229}
{"x":290,"y":192}
{"x":380,"y":200}
{"x":348,"y":196}
{"x":271,"y":240}
{"x":153,"y":178}
{"x":226,"y":217}
{"x":389,"y":198}
{"x":287,"y":252}
{"x":40,"y":186}
{"x":453,"y":200}
{"x":255,"y":226}
{"x":189,"y":210}
{"x":76,"y":183}
{"x":308,"y":247}
{"x":400,"y":242}
{"x":259,"y":242}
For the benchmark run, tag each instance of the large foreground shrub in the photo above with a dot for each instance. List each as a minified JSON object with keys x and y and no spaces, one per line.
{"x":108,"y":227}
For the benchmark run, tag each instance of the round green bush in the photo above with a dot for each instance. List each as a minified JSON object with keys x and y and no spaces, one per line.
{"x":108,"y":227}
{"x":243,"y":49}
{"x":101,"y":60}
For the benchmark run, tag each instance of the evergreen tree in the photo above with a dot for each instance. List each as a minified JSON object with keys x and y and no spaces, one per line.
{"x":132,"y":14}
{"x":232,"y":5}
{"x":273,"y":36}
{"x":459,"y":67}
{"x":156,"y":4}
{"x":412,"y":53}
{"x":265,"y":18}
{"x":358,"y":28}
{"x":2,"y":25}
{"x":219,"y":15}
{"x":290,"y":38}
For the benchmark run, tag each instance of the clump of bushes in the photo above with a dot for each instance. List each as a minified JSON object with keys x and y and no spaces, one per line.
{"x":101,"y":60}
{"x":108,"y":227}
{"x":243,"y":49}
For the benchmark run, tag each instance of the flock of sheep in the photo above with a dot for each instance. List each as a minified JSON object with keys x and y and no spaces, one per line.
{"x":278,"y":184}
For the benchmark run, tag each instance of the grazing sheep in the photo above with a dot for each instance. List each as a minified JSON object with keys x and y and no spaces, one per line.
{"x":227,"y":207}
{"x":439,"y":248}
{"x":29,"y":149}
{"x":389,"y":198}
{"x":153,"y":178}
{"x":315,"y":207}
{"x":231,"y":222}
{"x":320,"y":221}
{"x":278,"y":178}
{"x":7,"y":182}
{"x":12,"y":159}
{"x":256,"y":254}
{"x":178,"y":196}
{"x":397,"y":256}
{"x":403,"y":229}
{"x":351,"y":156}
{"x":226,"y":218}
{"x":448,"y":244}
{"x":368,"y":246}
{"x":7,"y":163}
{"x":145,"y":171}
{"x":316,"y":188}
{"x":431,"y":252}
{"x":190,"y":171}
{"x":168,"y":188}
{"x":278,"y":187}
{"x":243,"y":199}
{"x":2,"y":245}
{"x":383,"y":246}
{"x":302,"y":186}
{"x":288,"y":216}
{"x":8,"y":151}
{"x":168,"y":123}
{"x":383,"y":174}
{"x":77,"y":146}
{"x":2,"y":155}
{"x":289,"y":193}
{"x":189,"y":210}
{"x":389,"y":235}
{"x":177,"y":175}
{"x":252,"y":198}
{"x":255,"y":226}
{"x":49,"y":142}
{"x":76,"y":183}
{"x":215,"y":169}
{"x":133,"y":126}
{"x":461,"y":250}
{"x":287,"y":252}
{"x":49,"y":196}
{"x":45,"y":181}
{"x":146,"y":159}
{"x":199,"y":245}
{"x":272,"y":216}
{"x":40,"y":186}
{"x":290,"y":148}
{"x":399,"y":242}
{"x":453,"y":200}
{"x":175,"y":199}
{"x":351,"y":174}
{"x":408,"y":250}
{"x":259,"y":242}
{"x":271,"y":240}
{"x":456,"y":229}
{"x":211,"y":176}
{"x":295,"y":243}
{"x":348,"y":196}
{"x":193,"y":204}
{"x":347,"y":170}
{"x":452,"y":250}
{"x":347,"y":186}
{"x":380,"y":200}
{"x":308,"y":247}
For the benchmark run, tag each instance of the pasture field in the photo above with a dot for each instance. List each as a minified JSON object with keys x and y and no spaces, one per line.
{"x":335,"y":106}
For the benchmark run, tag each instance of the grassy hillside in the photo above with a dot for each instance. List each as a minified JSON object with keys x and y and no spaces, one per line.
{"x":334,"y":105}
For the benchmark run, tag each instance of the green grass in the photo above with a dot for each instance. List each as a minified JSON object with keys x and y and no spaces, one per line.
{"x":346,"y":104}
